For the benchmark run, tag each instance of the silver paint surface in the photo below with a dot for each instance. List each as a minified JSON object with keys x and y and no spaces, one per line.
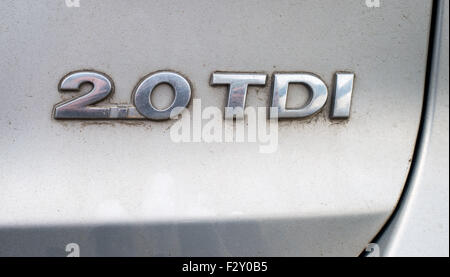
{"x":420,"y":228}
{"x":121,"y":188}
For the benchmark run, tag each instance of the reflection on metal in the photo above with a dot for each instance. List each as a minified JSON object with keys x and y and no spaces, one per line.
{"x":318,"y":94}
{"x":81,"y":107}
{"x":145,"y":88}
{"x":342,"y":97}
{"x":237,"y":93}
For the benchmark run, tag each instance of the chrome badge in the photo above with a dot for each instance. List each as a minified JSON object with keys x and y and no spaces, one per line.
{"x":83,"y":107}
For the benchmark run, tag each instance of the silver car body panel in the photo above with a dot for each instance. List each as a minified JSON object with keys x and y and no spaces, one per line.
{"x":124,"y":188}
{"x":420,"y":226}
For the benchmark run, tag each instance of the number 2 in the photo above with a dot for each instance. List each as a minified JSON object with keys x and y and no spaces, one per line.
{"x":79,"y":108}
